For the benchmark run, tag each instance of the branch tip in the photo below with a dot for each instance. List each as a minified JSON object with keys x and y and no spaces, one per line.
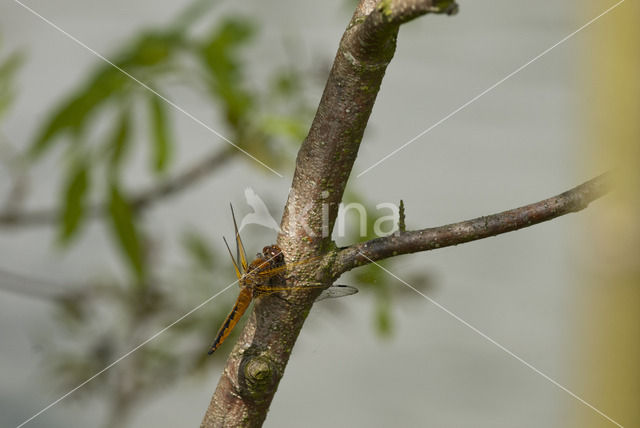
{"x":573,"y":200}
{"x":402,"y":227}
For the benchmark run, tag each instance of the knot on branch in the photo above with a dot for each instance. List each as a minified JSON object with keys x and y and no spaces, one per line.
{"x":258,"y":377}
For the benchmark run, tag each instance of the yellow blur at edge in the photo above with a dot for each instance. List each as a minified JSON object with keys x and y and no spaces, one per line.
{"x":606,"y":348}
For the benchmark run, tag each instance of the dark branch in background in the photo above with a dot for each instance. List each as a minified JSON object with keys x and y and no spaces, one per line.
{"x":573,"y":200}
{"x":183,"y":180}
{"x":139,"y":201}
{"x":30,"y":287}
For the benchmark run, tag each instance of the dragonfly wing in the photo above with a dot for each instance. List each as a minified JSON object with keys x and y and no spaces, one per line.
{"x":242,"y":303}
{"x":336,"y":291}
{"x":241,"y":255}
{"x":235,"y":264}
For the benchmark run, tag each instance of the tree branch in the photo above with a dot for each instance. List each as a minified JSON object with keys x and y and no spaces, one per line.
{"x":257,"y":362}
{"x":139,"y":202}
{"x":573,"y":200}
{"x":327,"y":155}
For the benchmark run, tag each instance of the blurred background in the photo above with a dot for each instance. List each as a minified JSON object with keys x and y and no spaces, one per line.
{"x":114,"y":204}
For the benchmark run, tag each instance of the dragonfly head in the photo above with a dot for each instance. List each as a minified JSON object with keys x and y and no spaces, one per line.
{"x":274,"y":255}
{"x":270,"y":258}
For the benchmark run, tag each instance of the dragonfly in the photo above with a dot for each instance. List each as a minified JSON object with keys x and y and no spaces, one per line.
{"x":264,"y":275}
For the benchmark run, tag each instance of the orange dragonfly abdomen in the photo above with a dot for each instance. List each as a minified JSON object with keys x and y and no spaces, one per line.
{"x":242,"y":303}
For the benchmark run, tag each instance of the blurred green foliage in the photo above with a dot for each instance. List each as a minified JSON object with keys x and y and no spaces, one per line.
{"x":261,"y":122}
{"x":125,"y":231}
{"x":162,"y":144}
{"x":8,"y":68}
{"x":219,"y":53}
{"x":73,"y":208}
{"x":117,"y":143}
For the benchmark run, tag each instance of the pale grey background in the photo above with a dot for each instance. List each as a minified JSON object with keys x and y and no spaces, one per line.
{"x":516,"y":145}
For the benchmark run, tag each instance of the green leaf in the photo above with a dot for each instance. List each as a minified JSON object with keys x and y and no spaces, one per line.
{"x":152,"y":48}
{"x":161,"y":135}
{"x":8,"y":69}
{"x":74,"y":114}
{"x":219,"y":54}
{"x":125,"y":231}
{"x":119,"y":140}
{"x":383,"y":318}
{"x":75,"y":195}
{"x":61,"y":120}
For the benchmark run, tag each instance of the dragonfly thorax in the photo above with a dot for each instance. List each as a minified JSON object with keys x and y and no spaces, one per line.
{"x":264,"y":270}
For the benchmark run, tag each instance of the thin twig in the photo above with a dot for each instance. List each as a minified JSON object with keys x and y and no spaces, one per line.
{"x":31,"y":287}
{"x":570,"y":201}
